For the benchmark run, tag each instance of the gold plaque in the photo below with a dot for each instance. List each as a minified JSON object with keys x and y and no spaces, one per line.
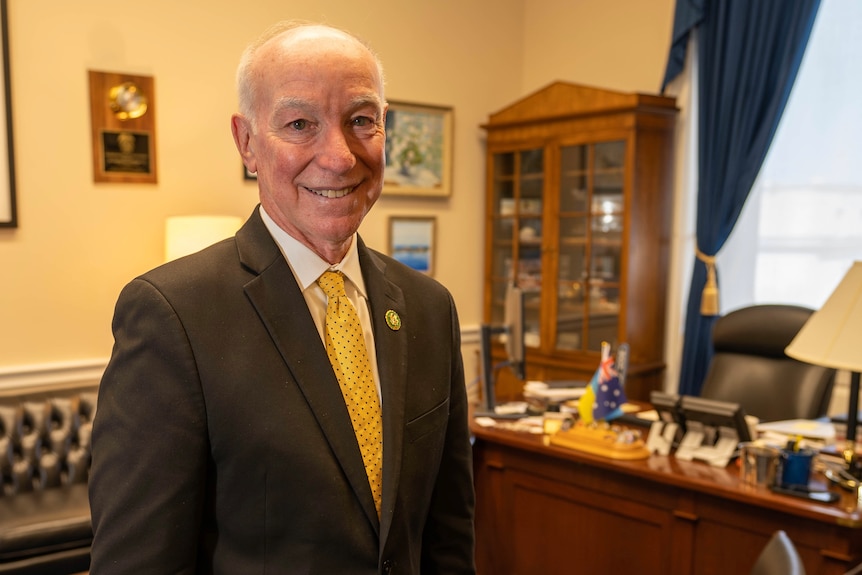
{"x":123,"y":127}
{"x":128,"y":101}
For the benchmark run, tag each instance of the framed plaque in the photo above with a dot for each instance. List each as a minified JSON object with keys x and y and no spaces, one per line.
{"x":123,"y":127}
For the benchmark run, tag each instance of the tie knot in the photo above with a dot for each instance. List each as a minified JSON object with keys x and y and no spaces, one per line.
{"x":332,"y":284}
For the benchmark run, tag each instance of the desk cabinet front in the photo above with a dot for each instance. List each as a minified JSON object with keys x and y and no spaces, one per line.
{"x":542,"y":511}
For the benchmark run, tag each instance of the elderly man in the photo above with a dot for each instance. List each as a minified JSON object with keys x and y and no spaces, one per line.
{"x":288,"y":400}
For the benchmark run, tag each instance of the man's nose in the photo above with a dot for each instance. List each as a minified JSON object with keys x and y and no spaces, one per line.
{"x":334,"y":152}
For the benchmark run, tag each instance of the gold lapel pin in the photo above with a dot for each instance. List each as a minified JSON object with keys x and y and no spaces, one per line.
{"x":393,"y":320}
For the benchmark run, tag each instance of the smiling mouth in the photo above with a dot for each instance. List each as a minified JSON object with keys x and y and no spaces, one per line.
{"x":332,"y":194}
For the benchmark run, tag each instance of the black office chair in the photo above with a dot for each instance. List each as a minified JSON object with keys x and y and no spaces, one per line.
{"x":749,"y":365}
{"x":779,"y":557}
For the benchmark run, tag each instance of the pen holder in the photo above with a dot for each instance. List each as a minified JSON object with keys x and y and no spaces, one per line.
{"x":759,"y":463}
{"x":796,"y":466}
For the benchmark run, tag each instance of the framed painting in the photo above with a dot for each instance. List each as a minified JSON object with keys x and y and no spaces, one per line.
{"x":412,"y":242}
{"x":418,"y":150}
{"x":8,"y":209}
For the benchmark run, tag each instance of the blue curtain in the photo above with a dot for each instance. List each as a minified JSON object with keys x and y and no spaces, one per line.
{"x":749,"y":54}
{"x":688,"y":14}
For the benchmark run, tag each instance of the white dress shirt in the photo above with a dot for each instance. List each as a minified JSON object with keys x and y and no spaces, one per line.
{"x":307,"y":266}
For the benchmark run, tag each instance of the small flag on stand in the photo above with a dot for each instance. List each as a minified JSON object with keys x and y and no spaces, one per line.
{"x":604,"y":396}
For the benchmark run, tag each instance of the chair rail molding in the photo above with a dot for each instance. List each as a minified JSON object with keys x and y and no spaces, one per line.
{"x":470,"y":334}
{"x":18,"y":379}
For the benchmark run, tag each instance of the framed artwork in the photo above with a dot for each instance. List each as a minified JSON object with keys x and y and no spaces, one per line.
{"x":8,"y":209}
{"x":412,"y":242}
{"x":418,"y":150}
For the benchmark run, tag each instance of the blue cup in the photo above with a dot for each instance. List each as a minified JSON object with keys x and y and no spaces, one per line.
{"x":796,"y":467}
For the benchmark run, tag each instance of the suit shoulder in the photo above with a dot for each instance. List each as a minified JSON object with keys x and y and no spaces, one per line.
{"x":208,"y":266}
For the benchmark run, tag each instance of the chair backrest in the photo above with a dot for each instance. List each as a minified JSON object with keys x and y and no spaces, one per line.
{"x":749,"y":365}
{"x":779,"y":557}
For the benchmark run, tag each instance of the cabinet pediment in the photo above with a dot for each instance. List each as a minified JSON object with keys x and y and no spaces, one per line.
{"x":560,"y":100}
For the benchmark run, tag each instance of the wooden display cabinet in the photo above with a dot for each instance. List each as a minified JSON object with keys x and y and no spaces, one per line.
{"x":579,"y":185}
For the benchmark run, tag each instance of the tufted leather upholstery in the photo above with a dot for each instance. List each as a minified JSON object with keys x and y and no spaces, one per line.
{"x":749,"y":365}
{"x":44,"y":462}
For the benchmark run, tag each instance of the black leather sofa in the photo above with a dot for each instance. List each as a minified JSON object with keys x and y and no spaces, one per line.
{"x":45,"y":523}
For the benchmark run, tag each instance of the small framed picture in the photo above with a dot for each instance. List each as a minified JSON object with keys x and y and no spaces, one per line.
{"x":412,"y":242}
{"x":418,"y":150}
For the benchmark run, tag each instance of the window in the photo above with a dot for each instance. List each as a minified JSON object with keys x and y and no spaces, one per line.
{"x":801,"y":227}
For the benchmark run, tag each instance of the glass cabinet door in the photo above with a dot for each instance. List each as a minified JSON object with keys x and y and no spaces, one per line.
{"x":518,"y":185}
{"x":590,"y":242}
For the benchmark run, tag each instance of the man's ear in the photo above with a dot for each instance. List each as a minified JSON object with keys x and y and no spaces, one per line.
{"x":240,"y":127}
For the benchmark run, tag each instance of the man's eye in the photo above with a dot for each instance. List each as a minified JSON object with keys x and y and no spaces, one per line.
{"x":362,"y":121}
{"x":299,"y":125}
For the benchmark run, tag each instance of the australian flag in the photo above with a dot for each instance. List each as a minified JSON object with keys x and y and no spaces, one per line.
{"x":605,"y":395}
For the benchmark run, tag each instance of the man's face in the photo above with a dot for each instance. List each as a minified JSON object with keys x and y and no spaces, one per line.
{"x":318,"y":146}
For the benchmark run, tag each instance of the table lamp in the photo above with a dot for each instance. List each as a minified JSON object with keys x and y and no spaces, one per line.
{"x":187,"y":234}
{"x":832,"y":337}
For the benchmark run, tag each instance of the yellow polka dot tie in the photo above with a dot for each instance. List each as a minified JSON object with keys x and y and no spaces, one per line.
{"x":345,"y":346}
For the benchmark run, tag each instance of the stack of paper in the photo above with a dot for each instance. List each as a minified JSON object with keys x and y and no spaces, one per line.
{"x":552,"y":393}
{"x":815,"y":431}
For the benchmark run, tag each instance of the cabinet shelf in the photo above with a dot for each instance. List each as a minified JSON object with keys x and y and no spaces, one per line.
{"x":609,"y":171}
{"x":519,"y":177}
{"x":574,"y":241}
{"x":573,"y":173}
{"x":583,"y":288}
{"x":608,"y":243}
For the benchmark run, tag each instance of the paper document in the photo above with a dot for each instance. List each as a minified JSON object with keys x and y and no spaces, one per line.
{"x":541,"y":390}
{"x":810,"y":428}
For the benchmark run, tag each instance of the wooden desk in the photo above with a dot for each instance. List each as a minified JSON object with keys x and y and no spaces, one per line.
{"x":550,"y":510}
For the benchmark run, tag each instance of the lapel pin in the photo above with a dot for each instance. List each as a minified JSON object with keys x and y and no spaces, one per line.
{"x":393,"y":320}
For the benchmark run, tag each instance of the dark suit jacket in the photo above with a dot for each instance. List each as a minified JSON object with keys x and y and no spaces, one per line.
{"x":222,"y":444}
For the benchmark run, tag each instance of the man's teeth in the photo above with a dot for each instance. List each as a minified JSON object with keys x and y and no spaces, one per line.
{"x":332,"y":193}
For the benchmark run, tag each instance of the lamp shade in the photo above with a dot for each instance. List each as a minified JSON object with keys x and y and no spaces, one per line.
{"x":832,"y":336}
{"x":187,"y":234}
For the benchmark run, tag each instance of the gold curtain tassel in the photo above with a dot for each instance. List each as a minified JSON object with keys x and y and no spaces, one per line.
{"x":709,"y":296}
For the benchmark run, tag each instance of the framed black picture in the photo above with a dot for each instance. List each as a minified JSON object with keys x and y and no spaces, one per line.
{"x":8,"y":208}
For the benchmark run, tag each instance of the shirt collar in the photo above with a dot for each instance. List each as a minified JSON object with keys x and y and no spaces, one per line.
{"x":306,"y":265}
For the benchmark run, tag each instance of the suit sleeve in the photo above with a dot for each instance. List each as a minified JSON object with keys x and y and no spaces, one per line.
{"x":448,"y":540}
{"x":150,"y":446}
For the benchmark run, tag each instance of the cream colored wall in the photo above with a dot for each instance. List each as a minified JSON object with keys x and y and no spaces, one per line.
{"x":616,"y":44}
{"x":79,"y":242}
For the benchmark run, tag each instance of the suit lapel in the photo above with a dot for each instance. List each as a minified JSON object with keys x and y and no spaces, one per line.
{"x":281,"y":307}
{"x":391,"y":345}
